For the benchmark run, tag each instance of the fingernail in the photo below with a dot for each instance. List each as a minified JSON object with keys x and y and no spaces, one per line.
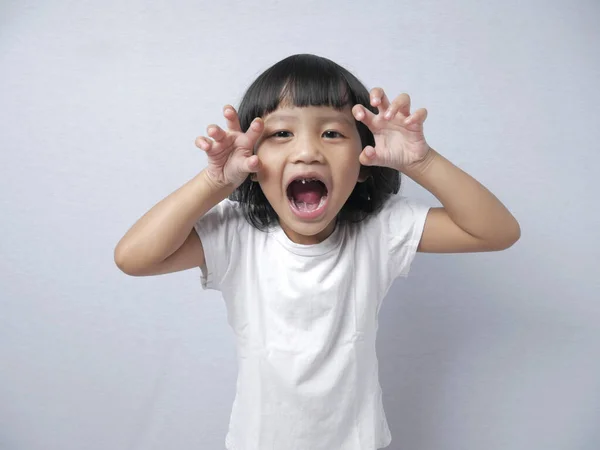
{"x":388,"y":114}
{"x":376,"y":99}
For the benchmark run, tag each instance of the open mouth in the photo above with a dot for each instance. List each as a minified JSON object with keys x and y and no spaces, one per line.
{"x":307,"y":197}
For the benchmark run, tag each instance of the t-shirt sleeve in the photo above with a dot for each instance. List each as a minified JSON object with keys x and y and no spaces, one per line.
{"x":220,"y":230}
{"x":401,"y":222}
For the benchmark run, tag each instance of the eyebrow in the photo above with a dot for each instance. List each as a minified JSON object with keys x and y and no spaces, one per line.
{"x":320,"y":118}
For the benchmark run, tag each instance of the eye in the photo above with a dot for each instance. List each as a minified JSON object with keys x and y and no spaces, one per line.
{"x":334,"y":132}
{"x":280,"y":134}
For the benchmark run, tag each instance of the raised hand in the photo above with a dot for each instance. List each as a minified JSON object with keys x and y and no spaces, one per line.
{"x":399,"y":138}
{"x":230,"y":153}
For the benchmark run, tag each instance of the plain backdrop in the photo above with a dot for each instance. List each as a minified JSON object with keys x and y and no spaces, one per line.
{"x":100,"y":104}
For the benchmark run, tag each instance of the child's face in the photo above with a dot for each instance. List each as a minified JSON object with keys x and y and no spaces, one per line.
{"x":310,"y":143}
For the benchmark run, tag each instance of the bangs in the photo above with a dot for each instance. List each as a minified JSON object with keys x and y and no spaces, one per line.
{"x":302,"y":80}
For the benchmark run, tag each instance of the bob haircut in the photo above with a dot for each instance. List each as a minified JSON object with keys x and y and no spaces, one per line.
{"x":310,"y":80}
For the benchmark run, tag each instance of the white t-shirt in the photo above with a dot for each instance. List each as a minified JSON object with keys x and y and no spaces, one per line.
{"x":305,"y":322}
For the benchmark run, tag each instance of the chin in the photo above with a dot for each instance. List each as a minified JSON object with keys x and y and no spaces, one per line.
{"x":312,"y":227}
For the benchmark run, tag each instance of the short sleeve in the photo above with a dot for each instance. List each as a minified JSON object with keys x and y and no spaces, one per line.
{"x":401,"y":222}
{"x":220,"y":231}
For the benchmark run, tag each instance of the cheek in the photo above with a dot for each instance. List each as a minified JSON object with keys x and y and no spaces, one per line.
{"x":353,"y":164}
{"x":348,"y":174}
{"x":269,"y":176}
{"x":266,"y":180}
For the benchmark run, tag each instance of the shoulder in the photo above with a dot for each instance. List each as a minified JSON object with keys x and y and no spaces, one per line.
{"x":224,"y":211}
{"x":391,"y":236}
{"x":228,"y":207}
{"x":400,"y":219}
{"x":223,"y":223}
{"x":401,"y":209}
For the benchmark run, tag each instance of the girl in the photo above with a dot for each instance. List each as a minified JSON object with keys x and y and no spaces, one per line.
{"x":295,"y":220}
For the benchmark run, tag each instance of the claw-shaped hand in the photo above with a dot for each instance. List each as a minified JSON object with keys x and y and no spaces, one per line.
{"x":230,"y":153}
{"x":399,"y":139}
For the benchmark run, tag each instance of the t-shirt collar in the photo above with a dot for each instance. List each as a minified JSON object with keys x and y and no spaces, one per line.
{"x":330,"y":243}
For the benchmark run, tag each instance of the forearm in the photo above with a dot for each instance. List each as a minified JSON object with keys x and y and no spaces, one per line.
{"x":468,"y":203}
{"x":165,"y":227}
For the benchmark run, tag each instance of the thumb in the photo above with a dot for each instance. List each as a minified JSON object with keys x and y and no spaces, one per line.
{"x":369,"y":157}
{"x":252,"y":164}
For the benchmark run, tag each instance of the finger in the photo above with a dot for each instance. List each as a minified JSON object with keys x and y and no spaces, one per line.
{"x":203,"y":143}
{"x":255,"y":130}
{"x":379,"y":99}
{"x":418,"y":116}
{"x":232,"y":119}
{"x":216,"y":132}
{"x":400,"y":104}
{"x":365,"y":116}
{"x":252,"y":164}
{"x":368,"y":156}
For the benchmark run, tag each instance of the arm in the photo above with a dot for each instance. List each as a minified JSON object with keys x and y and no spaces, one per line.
{"x":164,"y":240}
{"x":472,"y":219}
{"x":155,"y":243}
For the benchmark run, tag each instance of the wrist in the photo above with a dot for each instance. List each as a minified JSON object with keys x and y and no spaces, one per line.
{"x":422,"y":166}
{"x":216,"y":186}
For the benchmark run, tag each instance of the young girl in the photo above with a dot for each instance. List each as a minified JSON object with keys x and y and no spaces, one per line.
{"x":295,"y":220}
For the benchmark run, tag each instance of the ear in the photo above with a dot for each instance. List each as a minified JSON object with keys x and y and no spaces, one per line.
{"x":364,"y":174}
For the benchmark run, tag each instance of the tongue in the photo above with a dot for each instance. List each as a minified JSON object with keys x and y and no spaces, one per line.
{"x":309,"y":193}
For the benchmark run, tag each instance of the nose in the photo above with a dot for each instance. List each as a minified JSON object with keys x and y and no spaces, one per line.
{"x":307,"y":151}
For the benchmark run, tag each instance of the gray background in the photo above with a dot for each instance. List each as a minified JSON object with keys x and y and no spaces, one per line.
{"x":100,"y":105}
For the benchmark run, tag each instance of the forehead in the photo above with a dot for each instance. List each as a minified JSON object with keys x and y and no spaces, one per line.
{"x":312,"y":113}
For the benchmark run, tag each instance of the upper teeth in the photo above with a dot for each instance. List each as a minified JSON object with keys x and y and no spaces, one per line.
{"x":304,"y":180}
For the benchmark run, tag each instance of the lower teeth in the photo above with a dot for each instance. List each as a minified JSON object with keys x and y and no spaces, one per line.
{"x":301,"y":206}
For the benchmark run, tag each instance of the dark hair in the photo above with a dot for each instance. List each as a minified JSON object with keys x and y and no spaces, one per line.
{"x":310,"y":80}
